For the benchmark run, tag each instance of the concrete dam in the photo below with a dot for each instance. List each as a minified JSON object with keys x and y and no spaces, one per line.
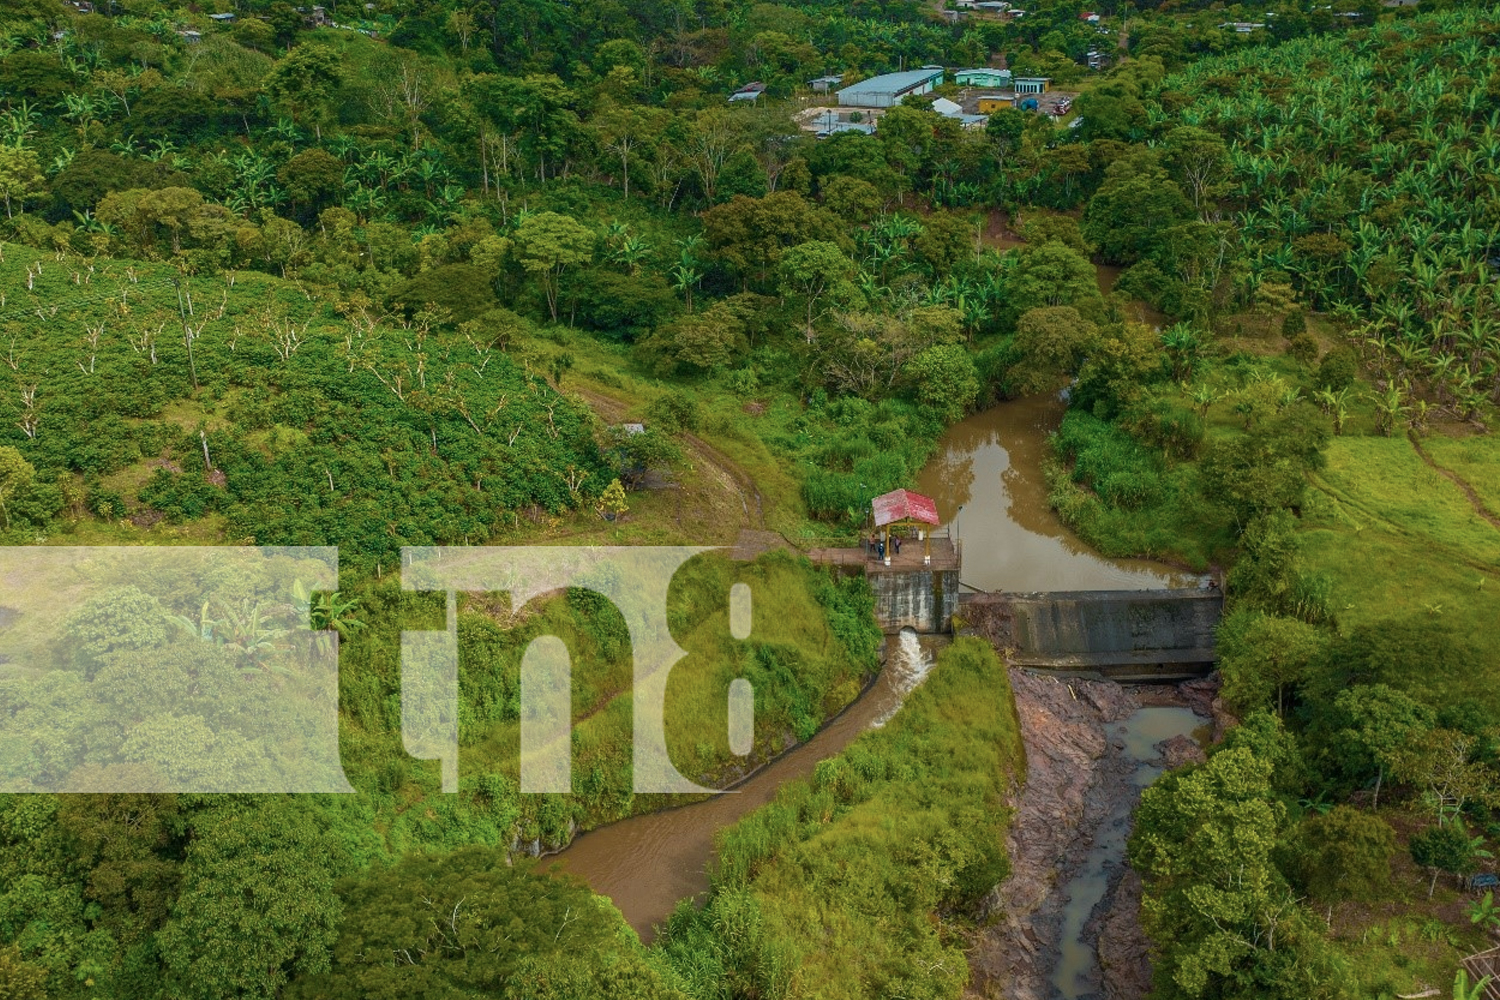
{"x":1118,"y":634}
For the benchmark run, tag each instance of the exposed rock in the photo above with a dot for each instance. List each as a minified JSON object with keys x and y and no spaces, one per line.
{"x":1124,"y":949}
{"x":1223,"y":720}
{"x":1079,"y":787}
{"x":1200,"y":694}
{"x":1180,"y":751}
{"x":1069,"y":761}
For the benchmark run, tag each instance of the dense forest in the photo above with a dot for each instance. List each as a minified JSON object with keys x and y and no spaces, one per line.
{"x":399,"y":274}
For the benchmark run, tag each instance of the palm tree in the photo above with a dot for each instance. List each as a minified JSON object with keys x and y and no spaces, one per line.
{"x":1484,"y":913}
{"x":1182,"y":344}
{"x":1335,"y":404}
{"x":250,"y":632}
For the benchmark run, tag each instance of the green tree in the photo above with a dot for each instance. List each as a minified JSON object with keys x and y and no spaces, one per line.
{"x":1051,"y":342}
{"x":698,"y":342}
{"x":1262,"y":656}
{"x":1265,"y":470}
{"x":1004,"y":130}
{"x":460,"y":924}
{"x":1442,"y":848}
{"x":1368,"y":727}
{"x":624,"y":130}
{"x":749,"y":235}
{"x":742,"y":174}
{"x":548,"y":243}
{"x":312,"y":178}
{"x":1062,"y":228}
{"x":304,"y":82}
{"x":851,"y":198}
{"x":257,"y":904}
{"x":16,"y":474}
{"x":21,"y":178}
{"x":1446,"y":765}
{"x":1199,"y":162}
{"x":612,"y":502}
{"x":462,"y":291}
{"x":1125,"y":219}
{"x":19,"y":979}
{"x":946,"y":380}
{"x":1345,"y":854}
{"x":1214,"y":900}
{"x":1052,"y":274}
{"x":815,"y":271}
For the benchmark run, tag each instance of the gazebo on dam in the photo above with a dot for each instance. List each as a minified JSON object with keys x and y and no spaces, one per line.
{"x":916,"y":587}
{"x":899,"y":513}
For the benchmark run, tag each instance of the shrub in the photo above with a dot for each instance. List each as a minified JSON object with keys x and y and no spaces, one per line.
{"x":1294,"y":324}
{"x":1302,"y":349}
{"x":1131,"y":489}
{"x":462,"y":289}
{"x":1338,"y":369}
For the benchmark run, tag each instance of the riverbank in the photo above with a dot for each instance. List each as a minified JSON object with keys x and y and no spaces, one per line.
{"x":858,"y":880}
{"x":1085,"y":765}
{"x":648,"y":864}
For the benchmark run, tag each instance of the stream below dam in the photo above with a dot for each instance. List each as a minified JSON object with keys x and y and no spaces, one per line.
{"x":986,"y":477}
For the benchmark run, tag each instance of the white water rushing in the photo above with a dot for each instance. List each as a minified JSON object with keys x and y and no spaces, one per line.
{"x":908,"y":668}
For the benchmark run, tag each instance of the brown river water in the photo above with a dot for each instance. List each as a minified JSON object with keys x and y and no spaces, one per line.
{"x":990,"y":465}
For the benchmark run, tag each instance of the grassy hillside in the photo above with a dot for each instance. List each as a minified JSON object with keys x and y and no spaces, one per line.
{"x":853,"y":882}
{"x":1400,"y":540}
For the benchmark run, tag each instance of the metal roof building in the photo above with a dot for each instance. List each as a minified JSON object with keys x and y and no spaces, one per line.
{"x":903,"y":507}
{"x":983,"y":76}
{"x":887,"y":90}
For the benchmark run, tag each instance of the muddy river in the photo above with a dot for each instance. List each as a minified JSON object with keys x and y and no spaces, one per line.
{"x":987,"y":480}
{"x":990,"y":465}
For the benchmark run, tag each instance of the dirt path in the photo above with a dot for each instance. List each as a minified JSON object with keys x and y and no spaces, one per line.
{"x":718,"y":468}
{"x":1475,"y":500}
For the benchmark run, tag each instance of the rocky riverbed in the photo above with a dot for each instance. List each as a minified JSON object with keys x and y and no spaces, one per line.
{"x":1080,"y":784}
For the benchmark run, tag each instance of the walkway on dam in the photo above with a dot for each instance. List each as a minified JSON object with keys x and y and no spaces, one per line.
{"x":945,"y":556}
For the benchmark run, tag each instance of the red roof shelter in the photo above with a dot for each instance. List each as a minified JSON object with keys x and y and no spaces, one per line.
{"x":903,"y":505}
{"x":904,"y":510}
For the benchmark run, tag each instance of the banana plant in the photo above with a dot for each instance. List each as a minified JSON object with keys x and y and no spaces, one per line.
{"x":1391,"y":407}
{"x":330,"y":612}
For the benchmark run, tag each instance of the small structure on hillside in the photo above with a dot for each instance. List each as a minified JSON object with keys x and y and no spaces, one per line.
{"x":990,"y":103}
{"x":824,"y":84}
{"x":983,"y":76}
{"x":749,"y":92}
{"x":1485,"y":968}
{"x":1032,"y":84}
{"x":900,"y":512}
{"x":916,"y":588}
{"x":950,"y":109}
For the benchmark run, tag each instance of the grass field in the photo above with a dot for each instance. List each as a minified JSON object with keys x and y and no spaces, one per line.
{"x":1399,"y":539}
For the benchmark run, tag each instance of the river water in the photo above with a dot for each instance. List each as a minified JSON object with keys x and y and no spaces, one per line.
{"x":1073,"y":977}
{"x":646,"y":864}
{"x":986,"y":477}
{"x":990,"y":464}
